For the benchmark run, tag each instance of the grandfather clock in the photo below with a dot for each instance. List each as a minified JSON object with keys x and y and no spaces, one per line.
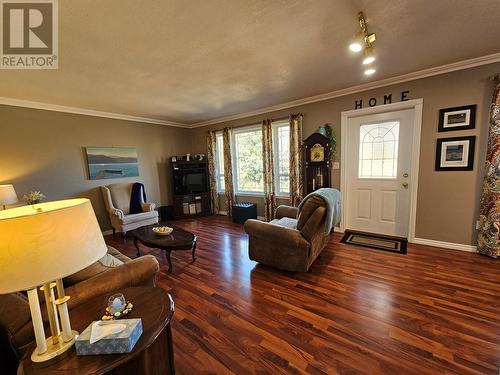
{"x":316,"y":157}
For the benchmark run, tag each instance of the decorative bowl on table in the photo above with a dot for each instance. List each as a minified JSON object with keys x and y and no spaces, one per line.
{"x":163,"y":231}
{"x":117,"y":308}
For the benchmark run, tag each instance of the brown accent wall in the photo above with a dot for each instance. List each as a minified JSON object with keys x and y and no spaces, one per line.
{"x":43,"y":150}
{"x":448,"y":202}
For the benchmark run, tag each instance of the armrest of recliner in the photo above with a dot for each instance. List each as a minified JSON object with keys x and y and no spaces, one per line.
{"x":138,"y":272}
{"x":146,"y":206}
{"x":275,"y":233}
{"x":315,"y":223}
{"x":286,"y":211}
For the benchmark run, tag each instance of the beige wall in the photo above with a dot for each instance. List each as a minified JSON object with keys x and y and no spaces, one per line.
{"x":43,"y":150}
{"x":448,"y":202}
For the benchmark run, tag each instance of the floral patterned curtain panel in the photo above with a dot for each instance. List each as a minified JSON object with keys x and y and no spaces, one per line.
{"x":228,"y":170}
{"x":267,"y":154}
{"x":296,"y":188}
{"x":488,"y":242}
{"x":211,"y":146}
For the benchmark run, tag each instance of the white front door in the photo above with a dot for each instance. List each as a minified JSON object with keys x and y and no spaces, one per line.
{"x":379,"y":175}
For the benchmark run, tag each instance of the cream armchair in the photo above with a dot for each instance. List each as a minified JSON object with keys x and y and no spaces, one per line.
{"x":117,"y":201}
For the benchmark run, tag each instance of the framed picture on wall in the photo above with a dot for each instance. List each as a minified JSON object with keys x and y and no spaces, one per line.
{"x":455,"y":154}
{"x":112,"y":162}
{"x":457,"y":118}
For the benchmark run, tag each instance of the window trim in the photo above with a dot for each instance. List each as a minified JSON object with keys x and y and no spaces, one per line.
{"x":275,"y":126}
{"x":220,"y":189}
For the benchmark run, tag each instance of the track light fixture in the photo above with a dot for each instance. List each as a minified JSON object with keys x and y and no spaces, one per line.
{"x":369,"y":56}
{"x":364,"y":40}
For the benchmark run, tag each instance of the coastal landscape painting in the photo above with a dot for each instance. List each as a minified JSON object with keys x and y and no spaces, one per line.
{"x":112,"y":162}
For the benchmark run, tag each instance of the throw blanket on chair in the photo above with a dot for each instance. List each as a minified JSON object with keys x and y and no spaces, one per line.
{"x":332,"y":198}
{"x":137,"y":196}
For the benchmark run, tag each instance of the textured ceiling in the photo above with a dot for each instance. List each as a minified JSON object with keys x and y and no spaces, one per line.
{"x":194,"y":60}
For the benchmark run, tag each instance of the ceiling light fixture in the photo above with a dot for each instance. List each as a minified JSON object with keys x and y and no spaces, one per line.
{"x":358,"y":42}
{"x":362,"y":37}
{"x":363,"y":40}
{"x":369,"y":56}
{"x":370,"y":71}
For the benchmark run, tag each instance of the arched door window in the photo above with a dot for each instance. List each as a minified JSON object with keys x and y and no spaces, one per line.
{"x":378,"y":150}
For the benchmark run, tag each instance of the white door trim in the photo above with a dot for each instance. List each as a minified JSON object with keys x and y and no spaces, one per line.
{"x":417,"y":106}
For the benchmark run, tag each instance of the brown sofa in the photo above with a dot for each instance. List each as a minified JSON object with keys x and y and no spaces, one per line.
{"x":114,"y":271}
{"x":292,"y":241}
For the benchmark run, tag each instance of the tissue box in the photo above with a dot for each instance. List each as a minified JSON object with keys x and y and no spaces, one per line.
{"x":122,"y":342}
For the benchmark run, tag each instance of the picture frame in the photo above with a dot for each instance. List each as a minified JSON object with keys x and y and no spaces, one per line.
{"x":455,"y":154}
{"x":457,"y":118}
{"x":111,"y":162}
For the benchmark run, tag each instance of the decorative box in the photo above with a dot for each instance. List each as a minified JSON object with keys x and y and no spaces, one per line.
{"x":122,"y":342}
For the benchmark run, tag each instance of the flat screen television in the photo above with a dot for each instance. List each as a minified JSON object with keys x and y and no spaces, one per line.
{"x":190,"y":181}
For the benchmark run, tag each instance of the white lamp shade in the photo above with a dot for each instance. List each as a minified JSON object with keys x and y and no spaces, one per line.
{"x":47,"y":241}
{"x":7,"y":194}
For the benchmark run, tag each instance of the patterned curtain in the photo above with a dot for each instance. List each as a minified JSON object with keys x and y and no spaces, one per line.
{"x":228,"y":170}
{"x":296,"y":188}
{"x":267,"y":155}
{"x":488,"y":242}
{"x":211,"y":146}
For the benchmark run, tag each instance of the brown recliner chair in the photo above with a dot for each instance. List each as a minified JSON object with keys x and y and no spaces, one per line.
{"x":292,"y":241}
{"x":113,"y":272}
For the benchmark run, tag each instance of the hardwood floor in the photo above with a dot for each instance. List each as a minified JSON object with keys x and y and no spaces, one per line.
{"x":359,"y":311}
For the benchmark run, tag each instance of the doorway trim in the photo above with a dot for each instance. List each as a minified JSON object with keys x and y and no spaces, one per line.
{"x":417,"y":106}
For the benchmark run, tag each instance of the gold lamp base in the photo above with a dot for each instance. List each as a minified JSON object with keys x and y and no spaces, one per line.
{"x":55,"y":350}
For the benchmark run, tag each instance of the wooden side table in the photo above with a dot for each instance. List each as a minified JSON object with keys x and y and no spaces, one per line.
{"x":152,"y":354}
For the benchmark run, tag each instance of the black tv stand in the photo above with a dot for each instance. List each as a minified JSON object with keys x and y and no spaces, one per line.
{"x":188,"y":203}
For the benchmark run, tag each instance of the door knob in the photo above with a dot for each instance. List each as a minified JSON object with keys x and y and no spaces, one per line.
{"x":405,"y":174}
{"x":405,"y":185}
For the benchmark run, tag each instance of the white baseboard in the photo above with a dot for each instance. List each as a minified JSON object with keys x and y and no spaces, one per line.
{"x":445,"y":245}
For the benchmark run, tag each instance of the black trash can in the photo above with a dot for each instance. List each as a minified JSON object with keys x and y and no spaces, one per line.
{"x":166,"y":213}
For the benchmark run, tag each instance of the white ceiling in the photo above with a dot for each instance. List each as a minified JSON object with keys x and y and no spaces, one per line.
{"x":195,"y":60}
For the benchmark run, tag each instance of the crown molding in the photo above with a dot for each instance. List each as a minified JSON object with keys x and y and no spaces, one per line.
{"x":460,"y":65}
{"x":87,"y":112}
{"x":429,"y":72}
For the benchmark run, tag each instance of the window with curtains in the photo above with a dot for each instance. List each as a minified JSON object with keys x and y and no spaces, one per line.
{"x":219,"y":162}
{"x":281,"y":145}
{"x":247,"y":160}
{"x":246,"y":145}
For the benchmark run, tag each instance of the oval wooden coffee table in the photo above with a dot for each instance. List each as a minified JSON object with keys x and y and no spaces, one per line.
{"x":152,"y":354}
{"x":179,"y":239}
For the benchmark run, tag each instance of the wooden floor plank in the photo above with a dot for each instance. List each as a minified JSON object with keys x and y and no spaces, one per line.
{"x":359,"y":311}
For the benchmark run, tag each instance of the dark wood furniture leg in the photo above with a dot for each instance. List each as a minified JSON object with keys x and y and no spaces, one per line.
{"x":194,"y":249}
{"x":114,"y":233}
{"x":136,"y":243}
{"x":167,"y":255}
{"x":124,"y":236}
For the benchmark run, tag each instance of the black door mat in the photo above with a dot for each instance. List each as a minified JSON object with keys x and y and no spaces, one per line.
{"x":375,"y":241}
